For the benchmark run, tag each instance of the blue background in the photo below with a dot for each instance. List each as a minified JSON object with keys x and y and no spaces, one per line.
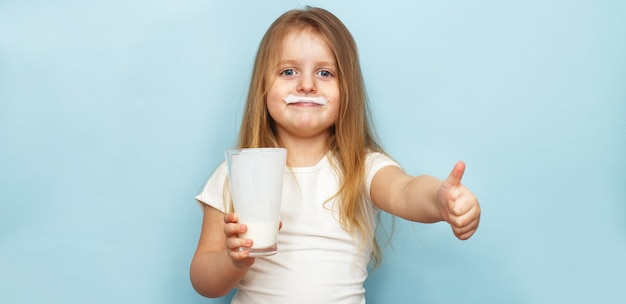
{"x":113,"y":114}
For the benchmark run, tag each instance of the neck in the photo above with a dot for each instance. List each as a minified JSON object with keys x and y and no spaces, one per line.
{"x":304,"y":152}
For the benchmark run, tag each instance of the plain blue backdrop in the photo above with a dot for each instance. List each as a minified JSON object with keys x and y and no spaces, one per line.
{"x":114,"y":113}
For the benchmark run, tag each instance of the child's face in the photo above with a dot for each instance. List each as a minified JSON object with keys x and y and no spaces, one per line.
{"x":307,"y":68}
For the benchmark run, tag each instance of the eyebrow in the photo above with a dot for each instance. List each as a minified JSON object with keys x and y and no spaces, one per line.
{"x":294,"y":62}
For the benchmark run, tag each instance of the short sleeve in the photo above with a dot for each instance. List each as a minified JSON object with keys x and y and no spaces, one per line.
{"x":213,"y":192}
{"x":376,"y":161}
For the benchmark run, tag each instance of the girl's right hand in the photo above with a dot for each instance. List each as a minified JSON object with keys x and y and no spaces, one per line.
{"x":232,"y":229}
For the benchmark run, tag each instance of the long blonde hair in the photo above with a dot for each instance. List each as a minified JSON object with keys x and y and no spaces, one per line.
{"x":352,"y":137}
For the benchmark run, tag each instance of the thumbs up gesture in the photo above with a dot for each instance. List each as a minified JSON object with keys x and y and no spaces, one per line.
{"x":458,"y":205}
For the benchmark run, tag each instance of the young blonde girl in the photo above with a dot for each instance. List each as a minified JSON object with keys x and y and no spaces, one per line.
{"x":338,"y":177}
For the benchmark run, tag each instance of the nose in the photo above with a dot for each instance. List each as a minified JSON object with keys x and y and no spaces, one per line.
{"x":306,"y":84}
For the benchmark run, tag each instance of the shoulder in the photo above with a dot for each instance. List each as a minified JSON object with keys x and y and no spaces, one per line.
{"x":213,"y":192}
{"x":219,"y":176}
{"x":374,"y":161}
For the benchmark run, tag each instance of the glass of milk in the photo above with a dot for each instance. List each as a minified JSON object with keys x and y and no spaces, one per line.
{"x":256,"y":185}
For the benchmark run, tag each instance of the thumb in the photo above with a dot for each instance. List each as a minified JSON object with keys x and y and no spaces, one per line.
{"x":454,"y":179}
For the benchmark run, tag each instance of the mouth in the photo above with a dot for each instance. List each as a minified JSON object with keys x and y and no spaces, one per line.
{"x":305,"y":100}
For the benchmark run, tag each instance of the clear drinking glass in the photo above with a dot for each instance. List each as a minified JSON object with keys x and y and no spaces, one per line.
{"x":256,"y":184}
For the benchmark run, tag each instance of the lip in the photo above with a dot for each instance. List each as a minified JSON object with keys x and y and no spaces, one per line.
{"x":305,"y":103}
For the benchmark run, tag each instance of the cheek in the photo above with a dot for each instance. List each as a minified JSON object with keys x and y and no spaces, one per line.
{"x":336,"y":105}
{"x":274,"y":96}
{"x":273,"y":106}
{"x":274,"y":100}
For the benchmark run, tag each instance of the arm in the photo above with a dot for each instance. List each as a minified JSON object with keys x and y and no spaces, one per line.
{"x":427,"y":199}
{"x":215,"y":269}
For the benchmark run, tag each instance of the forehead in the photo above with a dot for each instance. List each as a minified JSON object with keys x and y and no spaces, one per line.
{"x":303,"y":34}
{"x":305,"y":43}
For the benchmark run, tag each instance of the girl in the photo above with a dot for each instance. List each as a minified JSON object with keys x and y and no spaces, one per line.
{"x":307,"y":95}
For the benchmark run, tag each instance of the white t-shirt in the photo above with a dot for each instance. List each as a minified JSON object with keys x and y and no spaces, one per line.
{"x":317,"y":260}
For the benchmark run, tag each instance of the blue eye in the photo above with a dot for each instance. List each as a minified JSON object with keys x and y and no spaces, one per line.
{"x":325,"y":73}
{"x":288,"y":72}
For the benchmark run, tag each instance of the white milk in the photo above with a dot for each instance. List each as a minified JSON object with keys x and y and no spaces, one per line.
{"x":262,"y":234}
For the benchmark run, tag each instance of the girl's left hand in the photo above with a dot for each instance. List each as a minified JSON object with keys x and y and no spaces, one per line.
{"x":457,"y":205}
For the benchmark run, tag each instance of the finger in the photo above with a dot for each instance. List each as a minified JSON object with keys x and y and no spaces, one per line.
{"x":456,"y":175}
{"x":464,"y":219}
{"x":234,"y":229}
{"x":231,"y":218}
{"x":237,"y":255}
{"x":458,"y":208}
{"x":465,"y":235}
{"x":463,"y":203}
{"x":465,"y":226}
{"x":234,"y":244}
{"x":466,"y":232}
{"x":280,"y":225}
{"x":241,"y":258}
